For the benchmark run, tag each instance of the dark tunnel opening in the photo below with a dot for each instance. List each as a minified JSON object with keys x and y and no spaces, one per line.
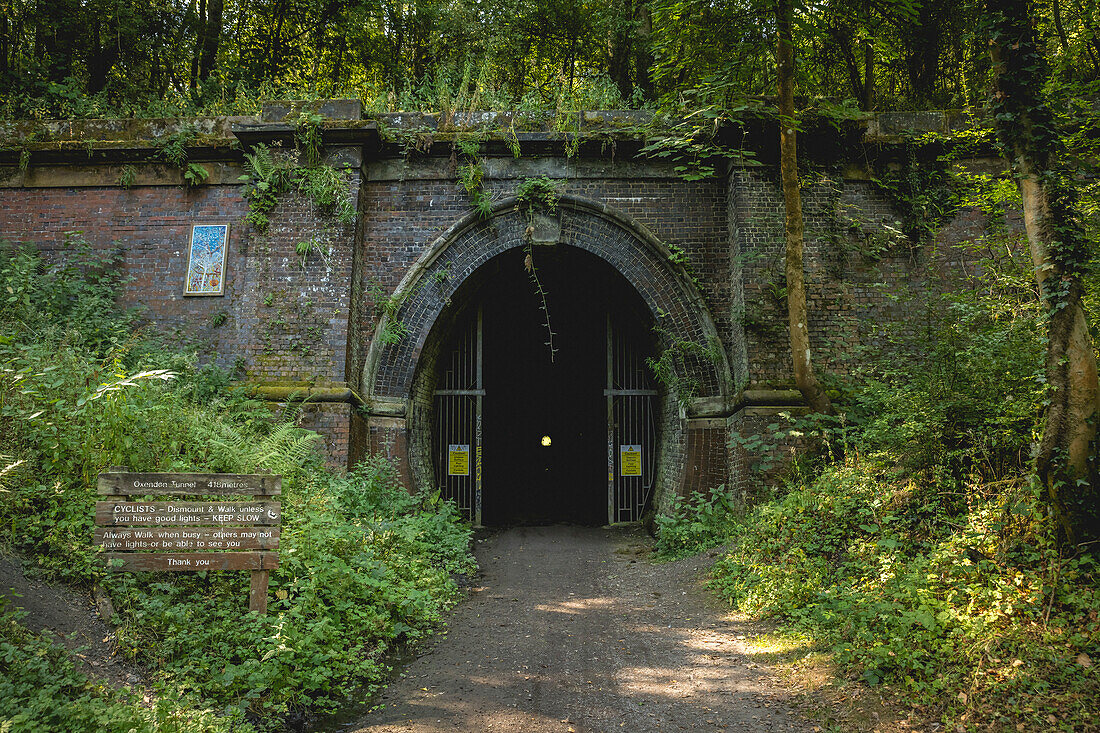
{"x":544,"y":416}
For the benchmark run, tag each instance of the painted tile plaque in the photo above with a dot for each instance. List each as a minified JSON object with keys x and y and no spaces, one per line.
{"x":206,"y":260}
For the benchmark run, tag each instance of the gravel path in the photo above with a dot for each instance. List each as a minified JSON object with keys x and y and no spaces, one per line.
{"x":573,"y":630}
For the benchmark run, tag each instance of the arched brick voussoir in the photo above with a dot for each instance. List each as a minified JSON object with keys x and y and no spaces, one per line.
{"x":628,"y":246}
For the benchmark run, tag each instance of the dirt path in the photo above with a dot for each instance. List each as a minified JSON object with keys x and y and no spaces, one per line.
{"x":71,"y":619}
{"x":571,"y":629}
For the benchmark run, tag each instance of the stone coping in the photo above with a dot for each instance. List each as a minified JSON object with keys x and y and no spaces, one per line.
{"x":344,"y":121}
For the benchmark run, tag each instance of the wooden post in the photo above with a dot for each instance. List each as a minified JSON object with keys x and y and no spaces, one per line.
{"x":257,"y":591}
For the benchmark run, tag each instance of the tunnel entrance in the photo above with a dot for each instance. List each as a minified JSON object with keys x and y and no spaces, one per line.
{"x":531,"y":428}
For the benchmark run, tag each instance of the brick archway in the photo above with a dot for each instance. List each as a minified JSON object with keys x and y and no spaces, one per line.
{"x":675,"y":303}
{"x":397,"y":375}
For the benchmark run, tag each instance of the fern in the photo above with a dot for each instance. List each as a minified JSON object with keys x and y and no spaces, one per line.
{"x":270,"y":175}
{"x":285,"y":450}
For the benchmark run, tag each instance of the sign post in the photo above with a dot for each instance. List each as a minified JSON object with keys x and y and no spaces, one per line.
{"x":191,"y":535}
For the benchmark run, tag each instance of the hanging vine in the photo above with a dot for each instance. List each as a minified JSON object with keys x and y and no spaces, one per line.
{"x":531,"y":195}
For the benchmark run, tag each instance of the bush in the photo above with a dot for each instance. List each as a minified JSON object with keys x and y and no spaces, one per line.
{"x":364,"y":565}
{"x":41,"y":689}
{"x":914,"y":544}
{"x":935,"y":603}
{"x":698,"y":524}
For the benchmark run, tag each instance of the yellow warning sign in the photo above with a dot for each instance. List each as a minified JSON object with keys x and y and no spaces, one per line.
{"x":630,"y":460}
{"x":458,"y":459}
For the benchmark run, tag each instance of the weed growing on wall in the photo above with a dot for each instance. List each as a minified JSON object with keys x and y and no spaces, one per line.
{"x":675,"y":364}
{"x":272,"y":173}
{"x":173,"y":149}
{"x":386,"y":310}
{"x":365,"y":565}
{"x":128,"y":176}
{"x":471,"y":171}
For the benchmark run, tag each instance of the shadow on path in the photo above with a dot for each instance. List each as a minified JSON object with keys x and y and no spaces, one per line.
{"x":573,"y":629}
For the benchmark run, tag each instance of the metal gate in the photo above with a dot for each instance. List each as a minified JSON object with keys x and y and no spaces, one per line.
{"x":458,"y":399}
{"x":631,"y":431}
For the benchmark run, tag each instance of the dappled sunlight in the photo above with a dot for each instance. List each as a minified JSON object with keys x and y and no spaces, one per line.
{"x":575,"y":605}
{"x":625,"y":647}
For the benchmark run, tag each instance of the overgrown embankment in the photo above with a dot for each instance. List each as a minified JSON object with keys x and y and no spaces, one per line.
{"x":916,"y":546}
{"x":364,"y":565}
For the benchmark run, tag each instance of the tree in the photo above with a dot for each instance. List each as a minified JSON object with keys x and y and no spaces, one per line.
{"x":804,"y":376}
{"x":1066,"y":461}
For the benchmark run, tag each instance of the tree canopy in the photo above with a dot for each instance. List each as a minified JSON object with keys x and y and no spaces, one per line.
{"x":65,"y":58}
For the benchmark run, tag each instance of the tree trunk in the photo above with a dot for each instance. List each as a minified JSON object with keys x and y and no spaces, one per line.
{"x":211,"y":38}
{"x":200,"y":36}
{"x":101,"y":57}
{"x":804,"y":376}
{"x":1065,"y":463}
{"x":643,"y":51}
{"x":1056,"y":10}
{"x":922,"y":55}
{"x":842,"y":39}
{"x":867,"y":101}
{"x":622,"y":38}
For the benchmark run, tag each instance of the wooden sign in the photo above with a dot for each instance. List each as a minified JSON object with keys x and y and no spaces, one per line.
{"x":193,"y":560}
{"x":186,"y":538}
{"x":150,"y":513}
{"x":191,"y":535}
{"x":190,"y":484}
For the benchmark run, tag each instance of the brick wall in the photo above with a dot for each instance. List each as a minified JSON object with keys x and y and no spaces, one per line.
{"x":282,"y":320}
{"x":278,"y":320}
{"x":861,"y":273}
{"x":151,"y":225}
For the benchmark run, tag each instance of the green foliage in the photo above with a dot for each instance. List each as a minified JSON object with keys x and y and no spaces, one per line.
{"x":128,"y":176}
{"x":173,"y":148}
{"x":916,"y":545}
{"x":907,"y":589}
{"x":676,"y":363}
{"x":273,"y":173}
{"x":697,"y":524}
{"x":540,"y":191}
{"x":691,"y":141}
{"x":304,"y":248}
{"x":308,"y":137}
{"x":329,"y":190}
{"x":40,"y":301}
{"x":471,"y":172}
{"x":194,"y":175}
{"x":364,"y":565}
{"x":269,"y":175}
{"x":41,"y":689}
{"x":386,"y":310}
{"x":469,"y":177}
{"x":174,"y":60}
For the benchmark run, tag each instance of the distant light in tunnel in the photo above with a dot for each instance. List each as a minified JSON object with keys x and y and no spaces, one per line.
{"x":546,"y":440}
